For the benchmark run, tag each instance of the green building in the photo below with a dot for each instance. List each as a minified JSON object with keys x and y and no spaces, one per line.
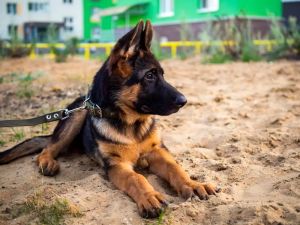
{"x":108,"y":20}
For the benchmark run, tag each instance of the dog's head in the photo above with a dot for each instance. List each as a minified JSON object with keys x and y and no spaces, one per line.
{"x":144,"y":89}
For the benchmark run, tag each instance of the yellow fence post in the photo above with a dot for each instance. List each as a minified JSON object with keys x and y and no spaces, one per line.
{"x":198,"y":48}
{"x":223,"y":47}
{"x":269,"y":46}
{"x":32,"y":54}
{"x":108,"y":50}
{"x":87,"y":52}
{"x":174,"y":50}
{"x":52,"y":56}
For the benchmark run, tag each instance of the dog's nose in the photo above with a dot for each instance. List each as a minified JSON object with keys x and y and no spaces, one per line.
{"x":180,"y":101}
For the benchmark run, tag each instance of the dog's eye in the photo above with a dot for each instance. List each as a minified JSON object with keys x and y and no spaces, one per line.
{"x":150,"y":76}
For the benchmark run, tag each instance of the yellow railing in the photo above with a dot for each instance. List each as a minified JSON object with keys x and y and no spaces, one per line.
{"x":173,"y":45}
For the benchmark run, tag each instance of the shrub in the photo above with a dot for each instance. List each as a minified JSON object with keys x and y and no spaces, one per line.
{"x":15,"y":47}
{"x":186,"y":34}
{"x":71,"y":45}
{"x":238,"y":36}
{"x":157,"y":50}
{"x":287,"y":39}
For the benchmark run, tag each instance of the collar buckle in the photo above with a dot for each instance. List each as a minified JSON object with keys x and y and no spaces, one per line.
{"x":93,"y":108}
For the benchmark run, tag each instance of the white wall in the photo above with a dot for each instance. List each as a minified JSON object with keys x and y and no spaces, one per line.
{"x":58,"y":10}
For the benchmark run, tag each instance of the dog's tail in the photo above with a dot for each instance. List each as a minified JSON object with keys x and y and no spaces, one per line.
{"x":27,"y":147}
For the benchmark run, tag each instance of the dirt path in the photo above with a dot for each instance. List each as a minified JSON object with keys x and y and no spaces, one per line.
{"x":240,"y":131}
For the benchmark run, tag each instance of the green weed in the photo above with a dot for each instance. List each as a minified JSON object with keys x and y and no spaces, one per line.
{"x":160,"y":221}
{"x":45,"y":127}
{"x":19,"y":134}
{"x":186,"y":34}
{"x":12,"y":139}
{"x":71,"y":45}
{"x":287,"y":39}
{"x":237,"y":37}
{"x":218,"y":58}
{"x":157,"y":50}
{"x":48,"y":213}
{"x":3,"y":141}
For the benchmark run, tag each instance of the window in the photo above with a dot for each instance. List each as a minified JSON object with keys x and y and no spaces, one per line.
{"x":34,"y":7}
{"x":12,"y":29}
{"x":204,"y":4}
{"x":208,"y":6}
{"x":11,"y":8}
{"x":166,"y":8}
{"x":68,"y":24}
{"x":68,"y":1}
{"x":96,"y":32}
{"x":95,"y":10}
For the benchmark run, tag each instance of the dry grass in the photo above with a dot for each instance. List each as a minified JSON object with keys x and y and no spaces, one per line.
{"x":47,"y":210}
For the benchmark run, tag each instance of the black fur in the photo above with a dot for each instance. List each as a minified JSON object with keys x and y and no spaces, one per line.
{"x":36,"y":145}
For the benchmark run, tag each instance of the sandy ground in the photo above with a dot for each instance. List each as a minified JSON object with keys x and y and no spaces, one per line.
{"x":240,"y":132}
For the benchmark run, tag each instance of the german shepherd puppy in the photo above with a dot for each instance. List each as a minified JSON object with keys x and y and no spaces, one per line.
{"x":131,"y":85}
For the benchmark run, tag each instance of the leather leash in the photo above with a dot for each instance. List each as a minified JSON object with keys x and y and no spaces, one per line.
{"x":61,"y":114}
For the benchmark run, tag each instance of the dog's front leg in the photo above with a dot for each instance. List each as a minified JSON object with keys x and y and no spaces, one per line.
{"x":163,"y":163}
{"x":150,"y":202}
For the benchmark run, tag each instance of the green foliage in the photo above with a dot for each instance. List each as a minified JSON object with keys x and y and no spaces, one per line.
{"x":3,"y":141}
{"x":25,"y":83}
{"x":45,"y":127}
{"x":19,"y":76}
{"x":186,"y":34}
{"x":159,"y":222}
{"x":71,"y":45}
{"x":238,"y":36}
{"x":157,"y":50}
{"x":19,"y":134}
{"x":287,"y":39}
{"x":15,"y":47}
{"x":47,"y":213}
{"x":250,"y":53}
{"x":218,"y":58}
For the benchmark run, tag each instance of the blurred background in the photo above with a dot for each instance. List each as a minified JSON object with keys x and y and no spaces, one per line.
{"x":237,"y":63}
{"x":234,"y":29}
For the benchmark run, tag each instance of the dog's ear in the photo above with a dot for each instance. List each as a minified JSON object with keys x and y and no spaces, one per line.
{"x":126,"y":48}
{"x":148,"y":35}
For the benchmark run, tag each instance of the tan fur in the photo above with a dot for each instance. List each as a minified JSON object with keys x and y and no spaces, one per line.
{"x":122,"y":160}
{"x":124,"y":68}
{"x":111,"y":132}
{"x":126,"y":98}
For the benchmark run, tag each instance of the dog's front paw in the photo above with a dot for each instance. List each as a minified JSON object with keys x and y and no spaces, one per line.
{"x":201,"y":190}
{"x":47,"y":165}
{"x":151,"y":204}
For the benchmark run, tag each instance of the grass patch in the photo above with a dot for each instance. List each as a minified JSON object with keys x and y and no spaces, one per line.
{"x":218,"y":58}
{"x":25,"y":81}
{"x":3,"y":141}
{"x":45,"y":128}
{"x":19,"y":134}
{"x":160,"y":219}
{"x":48,"y":212}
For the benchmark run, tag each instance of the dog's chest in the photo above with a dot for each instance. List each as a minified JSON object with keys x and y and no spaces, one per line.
{"x":126,"y":145}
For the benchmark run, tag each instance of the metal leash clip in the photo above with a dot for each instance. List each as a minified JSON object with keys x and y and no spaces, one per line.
{"x":89,"y":104}
{"x":86,"y":104}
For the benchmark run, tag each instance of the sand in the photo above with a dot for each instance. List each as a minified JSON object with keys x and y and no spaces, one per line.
{"x":240,"y":131}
